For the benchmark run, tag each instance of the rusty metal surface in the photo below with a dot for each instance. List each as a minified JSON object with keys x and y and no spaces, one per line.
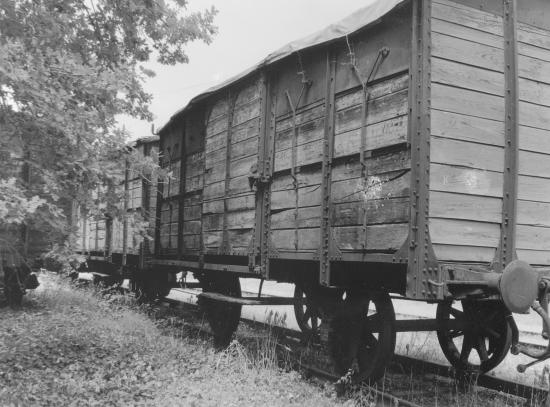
{"x":327,"y":241}
{"x":423,"y":278}
{"x":506,"y":251}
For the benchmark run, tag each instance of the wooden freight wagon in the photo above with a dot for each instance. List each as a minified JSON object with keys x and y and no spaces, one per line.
{"x":403,"y":150}
{"x":112,"y":244}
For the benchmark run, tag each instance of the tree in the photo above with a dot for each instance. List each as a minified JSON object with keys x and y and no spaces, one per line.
{"x":67,"y":68}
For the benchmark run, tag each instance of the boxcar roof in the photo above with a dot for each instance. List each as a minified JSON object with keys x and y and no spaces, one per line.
{"x":352,"y":23}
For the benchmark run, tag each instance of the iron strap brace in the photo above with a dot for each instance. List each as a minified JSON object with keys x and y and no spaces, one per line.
{"x":380,"y":57}
{"x":506,"y":251}
{"x":306,"y":83}
{"x":225,"y":246}
{"x":327,"y":242}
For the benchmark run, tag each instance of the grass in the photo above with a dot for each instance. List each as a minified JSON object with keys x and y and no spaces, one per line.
{"x":67,"y":347}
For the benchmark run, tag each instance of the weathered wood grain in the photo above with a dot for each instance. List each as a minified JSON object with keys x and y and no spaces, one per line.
{"x":532,"y":237}
{"x":192,"y":212}
{"x":467,"y":102}
{"x":534,"y":164}
{"x":383,"y":134}
{"x":534,"y":189}
{"x":305,"y":154}
{"x":246,"y":112}
{"x":391,"y":162}
{"x":240,"y":239}
{"x":245,"y":130}
{"x":388,"y":237}
{"x":219,"y":107}
{"x":214,"y":174}
{"x":465,"y":207}
{"x":194,"y":183}
{"x":216,"y":126}
{"x":354,"y":97}
{"x":533,"y":213}
{"x":243,"y":165}
{"x":464,"y":253}
{"x":308,"y":239}
{"x":249,"y":93}
{"x":192,"y":227}
{"x":466,"y":76}
{"x":379,"y":211}
{"x":446,"y":178}
{"x":467,"y":52}
{"x":306,"y":177}
{"x":467,"y":16}
{"x":244,"y":219}
{"x":307,"y":196}
{"x":210,"y":207}
{"x":191,"y":243}
{"x":379,"y":110}
{"x":304,"y":114}
{"x":536,"y":140}
{"x":309,"y":217}
{"x":215,"y":157}
{"x":242,"y":202}
{"x":307,"y":132}
{"x":212,"y":222}
{"x":467,"y":128}
{"x":215,"y":190}
{"x":238,"y":185}
{"x":466,"y":154}
{"x":534,"y":115}
{"x":244,"y":148}
{"x":456,"y":30}
{"x":383,"y":186}
{"x":463,"y":232}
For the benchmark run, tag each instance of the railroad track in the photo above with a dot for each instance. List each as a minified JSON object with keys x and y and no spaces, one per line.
{"x":292,"y":342}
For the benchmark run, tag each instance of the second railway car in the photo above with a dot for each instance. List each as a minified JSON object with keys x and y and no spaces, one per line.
{"x":114,"y":247}
{"x":403,"y":151}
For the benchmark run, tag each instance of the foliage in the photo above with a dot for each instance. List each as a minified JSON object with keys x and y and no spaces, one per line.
{"x":67,"y":69}
{"x":70,"y":347}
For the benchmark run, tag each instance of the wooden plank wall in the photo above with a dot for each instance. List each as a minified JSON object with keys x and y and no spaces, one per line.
{"x":228,"y":201}
{"x":533,"y":230}
{"x":384,"y":195}
{"x":170,"y":159}
{"x":467,"y":140}
{"x":467,"y":148}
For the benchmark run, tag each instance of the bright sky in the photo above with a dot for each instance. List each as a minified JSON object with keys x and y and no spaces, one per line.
{"x":248,"y":30}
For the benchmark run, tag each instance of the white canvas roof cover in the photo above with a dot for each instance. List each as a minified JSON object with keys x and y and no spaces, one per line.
{"x":352,"y":23}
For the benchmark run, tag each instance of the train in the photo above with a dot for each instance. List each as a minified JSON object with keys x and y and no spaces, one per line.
{"x":402,"y":152}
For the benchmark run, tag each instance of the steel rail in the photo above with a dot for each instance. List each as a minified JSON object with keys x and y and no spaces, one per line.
{"x":406,"y":362}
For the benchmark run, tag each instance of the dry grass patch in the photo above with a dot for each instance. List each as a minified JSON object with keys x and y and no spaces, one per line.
{"x":71,"y":347}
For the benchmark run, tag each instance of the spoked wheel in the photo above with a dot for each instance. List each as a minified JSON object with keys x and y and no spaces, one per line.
{"x":365,"y":333}
{"x":306,"y":311}
{"x":485,"y":341}
{"x":222,"y":317}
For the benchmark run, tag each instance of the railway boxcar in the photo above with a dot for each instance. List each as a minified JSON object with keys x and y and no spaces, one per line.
{"x":114,"y":247}
{"x":403,"y":150}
